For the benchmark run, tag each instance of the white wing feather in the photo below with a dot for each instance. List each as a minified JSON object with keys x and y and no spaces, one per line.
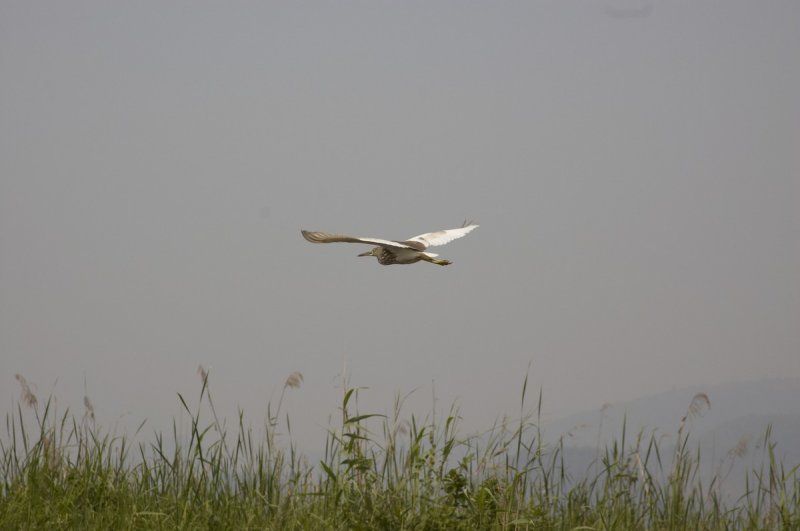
{"x":441,"y":237}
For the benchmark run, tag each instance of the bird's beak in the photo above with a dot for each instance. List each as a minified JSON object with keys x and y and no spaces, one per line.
{"x":368,"y":253}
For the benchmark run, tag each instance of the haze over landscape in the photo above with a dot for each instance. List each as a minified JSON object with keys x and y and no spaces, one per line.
{"x":633,"y":166}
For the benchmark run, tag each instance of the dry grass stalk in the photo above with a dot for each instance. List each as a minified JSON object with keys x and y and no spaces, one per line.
{"x":699,"y":406}
{"x":741,"y":448}
{"x":89,"y":408}
{"x":26,"y":395}
{"x":295,"y":380}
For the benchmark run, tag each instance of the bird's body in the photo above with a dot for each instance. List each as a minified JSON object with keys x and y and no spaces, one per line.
{"x":387,"y":256}
{"x":390,"y":252}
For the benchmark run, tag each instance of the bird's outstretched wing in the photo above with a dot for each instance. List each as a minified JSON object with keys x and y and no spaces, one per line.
{"x":324,"y":237}
{"x":441,"y":237}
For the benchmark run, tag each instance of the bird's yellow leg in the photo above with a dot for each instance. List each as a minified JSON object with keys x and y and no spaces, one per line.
{"x":434,"y":260}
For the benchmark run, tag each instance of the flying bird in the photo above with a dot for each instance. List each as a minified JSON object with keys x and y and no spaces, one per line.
{"x":390,"y":252}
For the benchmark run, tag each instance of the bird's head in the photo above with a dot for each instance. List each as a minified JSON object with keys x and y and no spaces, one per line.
{"x":371,"y":252}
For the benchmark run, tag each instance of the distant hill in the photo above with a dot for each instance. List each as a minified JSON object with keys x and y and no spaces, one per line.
{"x":731,"y":405}
{"x":730,"y":435}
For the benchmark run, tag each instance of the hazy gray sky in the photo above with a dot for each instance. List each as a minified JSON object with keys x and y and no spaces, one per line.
{"x":634,"y":167}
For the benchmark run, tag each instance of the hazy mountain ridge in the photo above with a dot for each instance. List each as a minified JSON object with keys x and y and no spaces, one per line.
{"x":730,"y":435}
{"x":739,"y":409}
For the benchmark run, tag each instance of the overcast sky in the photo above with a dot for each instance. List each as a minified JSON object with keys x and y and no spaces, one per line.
{"x":634,"y":168}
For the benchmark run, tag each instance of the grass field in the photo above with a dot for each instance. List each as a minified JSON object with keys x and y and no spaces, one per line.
{"x":379,"y":471}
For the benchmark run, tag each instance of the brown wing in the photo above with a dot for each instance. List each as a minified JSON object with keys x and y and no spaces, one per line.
{"x":324,"y":237}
